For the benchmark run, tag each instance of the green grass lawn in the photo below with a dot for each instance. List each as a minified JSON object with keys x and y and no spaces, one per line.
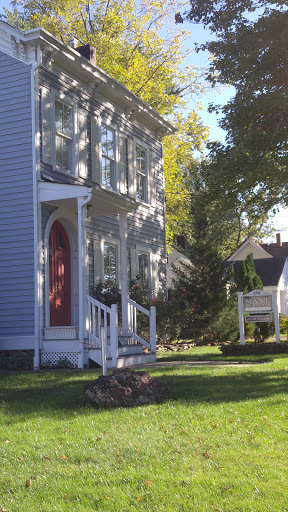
{"x":218,"y":444}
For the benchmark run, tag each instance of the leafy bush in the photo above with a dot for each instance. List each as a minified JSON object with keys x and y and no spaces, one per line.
{"x":265,"y":329}
{"x":17,"y":359}
{"x":108,"y":293}
{"x":283,"y":321}
{"x":169,"y":313}
{"x":226,"y":325}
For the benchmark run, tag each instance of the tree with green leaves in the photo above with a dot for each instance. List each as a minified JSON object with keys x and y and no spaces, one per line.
{"x":136,"y":42}
{"x":202,"y":286}
{"x":247,"y":281}
{"x":250,"y":52}
{"x":247,"y":278}
{"x":180,"y":169}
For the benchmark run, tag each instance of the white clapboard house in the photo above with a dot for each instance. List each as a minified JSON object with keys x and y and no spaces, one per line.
{"x":82,"y":202}
{"x":271,"y":264}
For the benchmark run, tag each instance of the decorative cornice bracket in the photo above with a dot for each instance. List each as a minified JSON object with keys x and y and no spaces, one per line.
{"x":160,"y":134}
{"x":131,"y":112}
{"x":48,"y":56}
{"x":18,"y":48}
{"x":94,"y":85}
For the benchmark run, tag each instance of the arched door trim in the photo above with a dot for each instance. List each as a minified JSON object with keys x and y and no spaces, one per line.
{"x":69,"y":222}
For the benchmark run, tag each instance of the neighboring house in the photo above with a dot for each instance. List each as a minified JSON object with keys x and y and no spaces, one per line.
{"x":178,"y":260}
{"x":82,"y":202}
{"x":271,"y":265}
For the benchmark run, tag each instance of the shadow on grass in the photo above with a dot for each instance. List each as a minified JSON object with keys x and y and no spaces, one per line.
{"x":48,"y":392}
{"x":61,"y":394}
{"x":219,"y":356}
{"x":229,"y":387}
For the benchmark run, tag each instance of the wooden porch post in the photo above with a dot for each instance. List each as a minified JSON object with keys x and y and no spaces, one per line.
{"x":82,"y":264}
{"x":124,"y":272}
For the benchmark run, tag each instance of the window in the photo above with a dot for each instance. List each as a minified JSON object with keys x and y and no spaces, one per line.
{"x":108,"y":156}
{"x":141,"y":173}
{"x":110,"y":264}
{"x":143,"y":268}
{"x":63,"y":129}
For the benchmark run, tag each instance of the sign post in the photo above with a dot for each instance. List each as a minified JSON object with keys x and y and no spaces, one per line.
{"x":241,"y":321}
{"x":258,"y":306}
{"x":276,"y":316}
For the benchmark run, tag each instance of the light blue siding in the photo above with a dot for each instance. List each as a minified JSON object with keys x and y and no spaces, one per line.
{"x":144,"y":229}
{"x":16,"y":201}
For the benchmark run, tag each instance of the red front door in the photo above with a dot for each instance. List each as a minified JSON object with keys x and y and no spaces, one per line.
{"x":59,"y":276}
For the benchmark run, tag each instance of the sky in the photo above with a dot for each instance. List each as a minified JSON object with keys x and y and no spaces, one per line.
{"x":219,"y":96}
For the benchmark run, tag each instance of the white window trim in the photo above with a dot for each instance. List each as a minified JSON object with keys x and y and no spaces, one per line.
{"x":138,"y":142}
{"x":115,"y":179}
{"x":106,"y":241}
{"x":55,"y":95}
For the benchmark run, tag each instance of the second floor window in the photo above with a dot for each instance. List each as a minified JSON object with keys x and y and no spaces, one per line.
{"x":108,"y":156}
{"x":63,"y":128}
{"x":141,"y":173}
{"x":110,"y":264}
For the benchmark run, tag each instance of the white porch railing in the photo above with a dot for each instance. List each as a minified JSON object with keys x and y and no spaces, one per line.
{"x":101,"y":315}
{"x":103,"y":328}
{"x":133,"y":309}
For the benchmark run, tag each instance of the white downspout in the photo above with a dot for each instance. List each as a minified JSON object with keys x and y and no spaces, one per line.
{"x":82,"y":264}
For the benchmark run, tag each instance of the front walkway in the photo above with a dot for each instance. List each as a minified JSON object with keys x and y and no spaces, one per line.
{"x":196,"y":364}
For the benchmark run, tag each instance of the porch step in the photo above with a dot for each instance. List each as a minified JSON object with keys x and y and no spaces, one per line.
{"x":135,"y":359}
{"x":130,"y":350}
{"x":122,"y":360}
{"x":124,"y":340}
{"x":60,"y":345}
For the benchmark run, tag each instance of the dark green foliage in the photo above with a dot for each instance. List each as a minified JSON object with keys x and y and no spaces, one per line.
{"x":16,"y":359}
{"x":168,"y":312}
{"x":107,"y":293}
{"x":226,"y":326}
{"x":247,"y":281}
{"x":250,"y":53}
{"x":201,"y":287}
{"x":139,"y":294}
{"x":283,"y":321}
{"x":265,"y":330}
{"x":257,"y":283}
{"x":247,"y":278}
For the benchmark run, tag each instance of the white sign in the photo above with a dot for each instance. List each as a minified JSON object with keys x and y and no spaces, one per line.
{"x":258,"y":318}
{"x":258,"y":303}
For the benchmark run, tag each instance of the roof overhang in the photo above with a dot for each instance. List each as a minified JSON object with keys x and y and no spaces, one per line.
{"x":101,"y":202}
{"x":88,"y":73}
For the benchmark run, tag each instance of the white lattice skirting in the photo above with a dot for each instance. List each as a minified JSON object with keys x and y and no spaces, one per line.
{"x":59,"y":359}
